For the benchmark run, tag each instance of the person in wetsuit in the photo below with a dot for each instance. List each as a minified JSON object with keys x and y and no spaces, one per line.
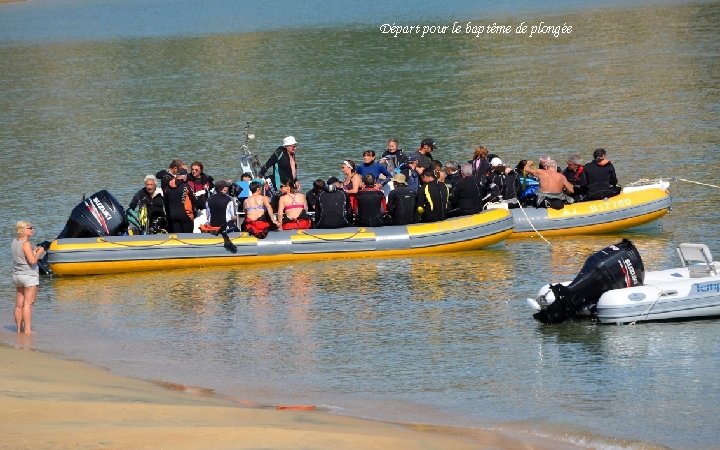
{"x":332,"y":208}
{"x":602,"y":181}
{"x":401,"y":203}
{"x":371,"y":204}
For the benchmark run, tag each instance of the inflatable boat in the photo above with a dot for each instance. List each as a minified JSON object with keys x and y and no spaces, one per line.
{"x":88,"y":244}
{"x":635,"y":206}
{"x":613,"y":288}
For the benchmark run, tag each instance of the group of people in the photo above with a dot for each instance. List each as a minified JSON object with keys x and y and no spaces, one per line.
{"x":173,"y":198}
{"x":402,"y":188}
{"x":398,"y":189}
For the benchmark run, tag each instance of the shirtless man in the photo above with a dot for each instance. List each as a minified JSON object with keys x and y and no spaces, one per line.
{"x":554,"y":187}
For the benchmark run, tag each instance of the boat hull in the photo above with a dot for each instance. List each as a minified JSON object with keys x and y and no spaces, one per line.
{"x":670,"y":294}
{"x":660,"y":299}
{"x":627,"y":210}
{"x":116,"y":254}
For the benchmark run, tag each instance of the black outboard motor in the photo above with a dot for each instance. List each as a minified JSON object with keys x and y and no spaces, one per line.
{"x":614,"y":267}
{"x":97,"y":215}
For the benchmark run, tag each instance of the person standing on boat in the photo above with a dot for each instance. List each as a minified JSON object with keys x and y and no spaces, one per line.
{"x":26,"y":275}
{"x":432,"y":198}
{"x":165,"y":175}
{"x":424,"y":153}
{"x":201,"y":184}
{"x":372,"y":167}
{"x":180,"y":204}
{"x":602,"y":181}
{"x":555,"y":190}
{"x":283,"y":163}
{"x":412,"y":172}
{"x":393,"y":158}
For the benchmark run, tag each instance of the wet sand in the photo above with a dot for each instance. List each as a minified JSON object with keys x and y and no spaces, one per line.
{"x":51,"y":403}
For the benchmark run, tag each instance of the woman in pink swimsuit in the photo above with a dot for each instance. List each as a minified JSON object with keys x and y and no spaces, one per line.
{"x":292,"y":207}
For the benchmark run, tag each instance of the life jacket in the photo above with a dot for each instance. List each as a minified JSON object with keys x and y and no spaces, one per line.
{"x":301,"y":223}
{"x":258,"y":228}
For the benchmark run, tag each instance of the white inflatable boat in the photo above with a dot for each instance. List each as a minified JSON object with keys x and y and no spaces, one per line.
{"x":687,"y":292}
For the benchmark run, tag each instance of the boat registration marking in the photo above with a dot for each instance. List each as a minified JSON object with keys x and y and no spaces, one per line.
{"x":596,"y":207}
{"x":710,"y":287}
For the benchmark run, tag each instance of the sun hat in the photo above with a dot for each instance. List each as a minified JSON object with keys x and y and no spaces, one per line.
{"x":399,"y":178}
{"x":289,"y":141}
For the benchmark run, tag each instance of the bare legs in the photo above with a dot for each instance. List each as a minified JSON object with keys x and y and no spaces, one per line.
{"x":24,"y":300}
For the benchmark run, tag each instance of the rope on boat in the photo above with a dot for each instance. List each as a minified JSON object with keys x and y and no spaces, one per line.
{"x":360,"y":230}
{"x":531,"y":224}
{"x":650,"y":308}
{"x":658,"y":180}
{"x":697,"y":182}
{"x":171,"y":237}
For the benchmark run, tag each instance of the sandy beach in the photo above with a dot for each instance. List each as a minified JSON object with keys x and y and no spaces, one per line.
{"x":51,"y":403}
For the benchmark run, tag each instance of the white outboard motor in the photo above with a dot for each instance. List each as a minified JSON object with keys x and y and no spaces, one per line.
{"x":614,"y":267}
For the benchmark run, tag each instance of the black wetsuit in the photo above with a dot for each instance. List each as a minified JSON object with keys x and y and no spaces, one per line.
{"x":371,"y":207}
{"x":332,"y":210}
{"x":465,"y":197}
{"x":280,"y":163}
{"x":217,"y":205}
{"x":401,"y":205}
{"x":155,"y":205}
{"x":434,"y":199}
{"x":601,"y":181}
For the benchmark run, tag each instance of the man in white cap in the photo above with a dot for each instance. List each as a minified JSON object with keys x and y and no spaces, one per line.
{"x":282,"y":162}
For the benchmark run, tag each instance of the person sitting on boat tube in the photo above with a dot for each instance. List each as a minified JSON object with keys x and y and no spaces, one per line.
{"x":555,"y":190}
{"x":575,"y":174}
{"x":503,"y":184}
{"x":292,"y":207}
{"x":401,"y":202}
{"x":371,"y":204}
{"x":259,"y":215}
{"x":465,"y":198}
{"x":221,"y":208}
{"x":282,"y":162}
{"x":432,"y":198}
{"x":602,"y":181}
{"x":332,"y":209}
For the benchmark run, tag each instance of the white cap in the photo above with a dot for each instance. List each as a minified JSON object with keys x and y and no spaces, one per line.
{"x":496,"y":162}
{"x":289,"y":141}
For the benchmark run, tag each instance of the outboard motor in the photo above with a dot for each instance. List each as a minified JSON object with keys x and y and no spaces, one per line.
{"x":97,"y":215}
{"x":614,"y":267}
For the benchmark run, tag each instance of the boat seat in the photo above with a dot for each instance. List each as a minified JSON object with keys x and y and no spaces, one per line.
{"x":698,"y":260}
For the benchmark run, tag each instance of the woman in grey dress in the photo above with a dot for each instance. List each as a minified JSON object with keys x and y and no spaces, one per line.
{"x":25,"y":275}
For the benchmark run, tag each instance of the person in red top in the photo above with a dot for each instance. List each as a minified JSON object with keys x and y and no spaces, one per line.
{"x":575,"y":174}
{"x":200,"y":183}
